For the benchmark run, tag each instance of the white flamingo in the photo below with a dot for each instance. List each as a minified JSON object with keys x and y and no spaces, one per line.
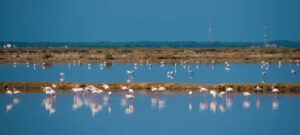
{"x":124,"y":87}
{"x":154,"y":89}
{"x":229,"y":89}
{"x":213,"y":93}
{"x":129,"y":96}
{"x":275,"y":90}
{"x":105,"y":86}
{"x":161,"y":88}
{"x":203,"y":89}
{"x":8,"y":91}
{"x":246,"y":94}
{"x":77,"y":89}
{"x":258,"y":89}
{"x":221,"y":93}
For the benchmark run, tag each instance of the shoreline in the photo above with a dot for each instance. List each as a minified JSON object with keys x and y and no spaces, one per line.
{"x":154,"y":55}
{"x":145,"y":87}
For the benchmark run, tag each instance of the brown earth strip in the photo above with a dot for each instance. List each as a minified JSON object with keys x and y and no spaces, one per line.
{"x":202,"y":55}
{"x":27,"y":87}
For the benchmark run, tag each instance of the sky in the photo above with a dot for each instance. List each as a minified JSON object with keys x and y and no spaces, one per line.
{"x":148,"y":20}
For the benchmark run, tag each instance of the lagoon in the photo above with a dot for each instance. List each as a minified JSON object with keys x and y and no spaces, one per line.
{"x":199,"y":73}
{"x":149,"y":114}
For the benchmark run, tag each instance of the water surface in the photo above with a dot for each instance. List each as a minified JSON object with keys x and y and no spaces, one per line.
{"x":193,"y":73}
{"x":149,"y":114}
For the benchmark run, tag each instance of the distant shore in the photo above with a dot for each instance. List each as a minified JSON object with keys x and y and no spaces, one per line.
{"x":136,"y":55}
{"x":32,"y":87}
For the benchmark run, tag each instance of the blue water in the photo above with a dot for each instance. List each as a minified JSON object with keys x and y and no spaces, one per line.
{"x":202,"y":73}
{"x":152,"y":44}
{"x":149,"y":114}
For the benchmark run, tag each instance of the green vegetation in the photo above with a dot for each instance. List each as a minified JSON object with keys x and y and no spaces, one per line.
{"x":108,"y":56}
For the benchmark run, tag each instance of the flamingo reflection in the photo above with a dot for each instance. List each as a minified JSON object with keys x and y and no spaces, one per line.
{"x":275,"y":103}
{"x":128,"y":103}
{"x":77,"y":102}
{"x":48,"y":103}
{"x":222,"y":105}
{"x":158,"y":102}
{"x":213,"y":105}
{"x":190,"y":101}
{"x":203,"y":105}
{"x":258,"y":102}
{"x":246,"y":102}
{"x":92,"y":101}
{"x":228,"y":101}
{"x":15,"y":101}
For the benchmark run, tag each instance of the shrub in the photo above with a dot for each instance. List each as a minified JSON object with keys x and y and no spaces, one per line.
{"x":47,"y":56}
{"x":108,"y":56}
{"x":146,"y":56}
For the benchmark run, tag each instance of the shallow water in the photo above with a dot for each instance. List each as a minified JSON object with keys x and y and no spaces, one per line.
{"x":200,"y":73}
{"x":149,"y":114}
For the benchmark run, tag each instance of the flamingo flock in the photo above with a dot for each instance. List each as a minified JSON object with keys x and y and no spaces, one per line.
{"x":87,"y":95}
{"x":172,"y":74}
{"x":129,"y":93}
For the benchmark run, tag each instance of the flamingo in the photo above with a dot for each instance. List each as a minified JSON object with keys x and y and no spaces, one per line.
{"x":129,"y":96}
{"x":153,"y":89}
{"x":275,"y":90}
{"x":258,"y":89}
{"x":213,"y":93}
{"x":161,"y":88}
{"x":222,"y":93}
{"x":202,"y":89}
{"x":77,"y":89}
{"x":124,"y":87}
{"x":48,"y":90}
{"x":229,"y":89}
{"x":105,"y":86}
{"x":16,"y":91}
{"x":8,"y":91}
{"x":96,"y":91}
{"x":162,"y":63}
{"x":246,"y":94}
{"x":130,"y":90}
{"x":53,"y":86}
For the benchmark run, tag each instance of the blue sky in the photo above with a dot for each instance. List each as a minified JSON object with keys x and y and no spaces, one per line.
{"x":151,"y":20}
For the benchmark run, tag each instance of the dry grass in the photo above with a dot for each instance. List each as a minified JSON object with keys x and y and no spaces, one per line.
{"x":203,"y":55}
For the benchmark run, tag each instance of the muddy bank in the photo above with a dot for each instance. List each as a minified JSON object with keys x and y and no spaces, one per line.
{"x":287,"y":88}
{"x":202,"y":55}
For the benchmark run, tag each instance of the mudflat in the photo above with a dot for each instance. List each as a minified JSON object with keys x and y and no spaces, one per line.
{"x":201,"y":55}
